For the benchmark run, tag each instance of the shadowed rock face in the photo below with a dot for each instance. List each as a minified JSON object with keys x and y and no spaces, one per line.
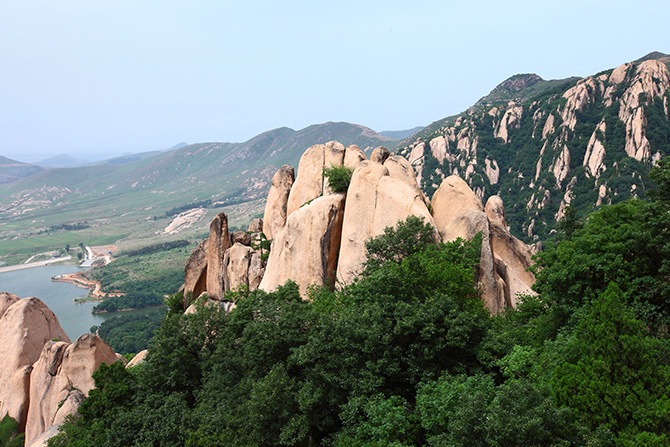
{"x":195,"y":272}
{"x":241,"y":267}
{"x":24,"y":329}
{"x":305,"y":250}
{"x":61,"y":379}
{"x":219,"y":242}
{"x":6,"y":300}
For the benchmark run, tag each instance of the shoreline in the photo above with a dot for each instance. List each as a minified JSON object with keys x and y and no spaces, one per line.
{"x":94,"y":287}
{"x":13,"y":268}
{"x":125,"y":310}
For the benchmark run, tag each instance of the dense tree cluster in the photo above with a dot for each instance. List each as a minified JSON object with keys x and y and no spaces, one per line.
{"x":407,"y":356}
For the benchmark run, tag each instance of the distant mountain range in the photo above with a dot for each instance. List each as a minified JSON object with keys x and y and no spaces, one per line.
{"x":125,"y":194}
{"x":12,"y":170}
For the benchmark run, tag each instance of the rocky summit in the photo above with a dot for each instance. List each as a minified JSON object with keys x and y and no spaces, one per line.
{"x":318,"y":235}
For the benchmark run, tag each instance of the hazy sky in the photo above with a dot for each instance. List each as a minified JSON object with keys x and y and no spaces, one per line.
{"x":96,"y":78}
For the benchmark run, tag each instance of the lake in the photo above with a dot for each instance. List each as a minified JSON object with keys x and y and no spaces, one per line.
{"x":76,"y":319}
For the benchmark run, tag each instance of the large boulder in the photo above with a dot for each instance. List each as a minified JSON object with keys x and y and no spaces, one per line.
{"x":353,"y":156}
{"x":375,"y":200}
{"x":453,"y":198}
{"x":310,"y":183}
{"x":24,"y":329}
{"x":219,"y":242}
{"x":242,"y":267}
{"x":379,"y":154}
{"x":6,"y":300}
{"x":61,"y":379}
{"x":400,"y":168}
{"x":274,"y":218}
{"x":306,"y":249}
{"x":195,"y":272}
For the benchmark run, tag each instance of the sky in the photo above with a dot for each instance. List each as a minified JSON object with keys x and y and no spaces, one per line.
{"x":100,"y":78}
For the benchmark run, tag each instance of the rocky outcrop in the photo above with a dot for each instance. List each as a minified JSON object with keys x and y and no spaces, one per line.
{"x":310,"y":183}
{"x":219,"y":242}
{"x":242,"y":266}
{"x":379,"y":155}
{"x":453,"y":198}
{"x":274,"y":218}
{"x":43,"y":377}
{"x":512,"y":256}
{"x":24,"y":329}
{"x":139,"y":358}
{"x":305,"y":250}
{"x":6,"y":300}
{"x":376,"y":200}
{"x":195,"y":272}
{"x":61,"y":379}
{"x":353,"y":156}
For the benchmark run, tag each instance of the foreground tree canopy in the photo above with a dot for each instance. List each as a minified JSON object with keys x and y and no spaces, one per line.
{"x":407,"y":356}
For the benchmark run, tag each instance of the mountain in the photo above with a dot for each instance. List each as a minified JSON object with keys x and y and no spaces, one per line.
{"x":543,"y":145}
{"x":62,"y":161}
{"x":400,"y":134}
{"x":12,"y":170}
{"x":132,"y":199}
{"x":129,"y":158}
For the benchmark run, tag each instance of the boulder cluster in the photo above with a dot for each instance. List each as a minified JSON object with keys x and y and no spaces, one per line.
{"x":318,"y":235}
{"x":44,"y":377}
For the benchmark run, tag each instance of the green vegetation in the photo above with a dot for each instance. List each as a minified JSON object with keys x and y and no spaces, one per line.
{"x":145,"y":275}
{"x":130,"y":333}
{"x":188,"y":206}
{"x":407,"y":356}
{"x":338,"y":177}
{"x":8,"y":433}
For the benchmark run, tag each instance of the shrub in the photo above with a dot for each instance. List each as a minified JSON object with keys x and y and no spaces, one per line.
{"x":338,"y":177}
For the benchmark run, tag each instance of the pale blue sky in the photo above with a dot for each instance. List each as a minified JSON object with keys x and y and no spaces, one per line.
{"x":97,"y":78}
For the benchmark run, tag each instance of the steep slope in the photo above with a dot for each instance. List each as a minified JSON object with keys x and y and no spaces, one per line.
{"x":577,"y":142}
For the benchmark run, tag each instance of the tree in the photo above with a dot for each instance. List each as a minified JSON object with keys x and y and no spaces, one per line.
{"x":617,"y":378}
{"x":339,"y":177}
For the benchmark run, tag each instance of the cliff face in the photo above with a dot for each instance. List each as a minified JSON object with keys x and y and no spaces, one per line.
{"x":581,"y":143}
{"x":319,"y":236}
{"x":43,"y":376}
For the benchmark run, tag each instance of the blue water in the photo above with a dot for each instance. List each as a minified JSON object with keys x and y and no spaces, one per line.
{"x":76,"y":319}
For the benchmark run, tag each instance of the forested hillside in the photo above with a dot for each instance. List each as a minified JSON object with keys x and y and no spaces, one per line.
{"x":543,"y":145}
{"x":407,"y":356}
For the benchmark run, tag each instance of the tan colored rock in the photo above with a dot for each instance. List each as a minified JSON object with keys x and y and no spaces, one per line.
{"x":60,"y":378}
{"x":375,"y":201}
{"x":237,"y":270}
{"x":274,"y":218}
{"x":548,"y":128}
{"x":6,"y":300}
{"x":492,"y":171}
{"x":219,"y":242}
{"x":256,"y":226}
{"x":139,"y":358}
{"x":512,"y":117}
{"x":306,"y":249}
{"x":399,"y":168}
{"x":240,"y":237}
{"x":310,"y":183}
{"x":453,"y":198}
{"x":512,"y":256}
{"x":495,"y":211}
{"x":595,"y":153}
{"x":438,"y":147}
{"x":561,"y":167}
{"x":353,"y":156}
{"x":24,"y":329}
{"x":379,"y":155}
{"x":416,"y":160}
{"x":195,"y":272}
{"x":619,"y":74}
